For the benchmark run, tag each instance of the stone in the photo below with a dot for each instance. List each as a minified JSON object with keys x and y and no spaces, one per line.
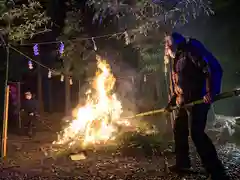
{"x":77,"y":157}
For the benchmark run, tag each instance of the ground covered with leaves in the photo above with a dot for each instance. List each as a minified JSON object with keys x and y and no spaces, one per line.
{"x":136,"y":156}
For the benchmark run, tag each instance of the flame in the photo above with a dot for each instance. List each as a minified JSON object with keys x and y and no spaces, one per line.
{"x":95,"y":122}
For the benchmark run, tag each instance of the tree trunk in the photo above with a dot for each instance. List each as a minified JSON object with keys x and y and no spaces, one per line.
{"x":39,"y":88}
{"x":67,"y":97}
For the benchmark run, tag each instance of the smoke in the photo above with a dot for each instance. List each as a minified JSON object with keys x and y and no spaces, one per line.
{"x":126,"y":85}
{"x":225,"y":127}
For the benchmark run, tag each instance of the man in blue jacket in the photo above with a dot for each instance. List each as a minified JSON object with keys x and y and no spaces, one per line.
{"x":194,"y":77}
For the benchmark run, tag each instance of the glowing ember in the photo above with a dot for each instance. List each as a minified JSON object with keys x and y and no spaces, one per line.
{"x":95,"y":121}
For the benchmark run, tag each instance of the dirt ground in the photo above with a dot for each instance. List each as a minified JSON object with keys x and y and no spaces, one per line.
{"x":26,"y":160}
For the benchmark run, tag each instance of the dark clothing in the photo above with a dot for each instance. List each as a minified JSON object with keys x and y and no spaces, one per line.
{"x":30,"y":106}
{"x":31,"y":119}
{"x":197,"y":47}
{"x":206,"y":150}
{"x":193,"y":63}
{"x":189,"y":73}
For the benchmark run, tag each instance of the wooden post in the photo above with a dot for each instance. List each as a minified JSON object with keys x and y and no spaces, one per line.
{"x":171,"y":92}
{"x":5,"y":123}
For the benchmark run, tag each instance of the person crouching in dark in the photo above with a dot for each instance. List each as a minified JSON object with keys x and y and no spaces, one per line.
{"x":191,"y":74}
{"x":30,"y":109}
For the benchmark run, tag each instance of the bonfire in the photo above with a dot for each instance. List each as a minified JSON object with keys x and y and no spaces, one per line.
{"x":97,"y":120}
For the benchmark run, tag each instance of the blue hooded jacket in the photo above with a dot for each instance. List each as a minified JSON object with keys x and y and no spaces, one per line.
{"x":193,"y":63}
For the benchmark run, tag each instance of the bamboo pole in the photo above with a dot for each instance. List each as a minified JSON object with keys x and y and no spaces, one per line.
{"x":5,"y":123}
{"x":229,"y":94}
{"x":172,"y":115}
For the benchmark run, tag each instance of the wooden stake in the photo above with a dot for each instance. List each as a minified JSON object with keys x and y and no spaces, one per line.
{"x":5,"y":123}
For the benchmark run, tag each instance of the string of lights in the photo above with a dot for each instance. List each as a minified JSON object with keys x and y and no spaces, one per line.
{"x":50,"y":70}
{"x":80,"y":39}
{"x":29,"y":58}
{"x":61,"y":52}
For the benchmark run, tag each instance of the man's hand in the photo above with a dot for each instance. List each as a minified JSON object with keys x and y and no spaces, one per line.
{"x":168,"y":109}
{"x":207,"y":98}
{"x":179,"y":101}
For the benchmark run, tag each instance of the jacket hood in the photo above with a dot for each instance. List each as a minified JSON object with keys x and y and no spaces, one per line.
{"x":178,"y":38}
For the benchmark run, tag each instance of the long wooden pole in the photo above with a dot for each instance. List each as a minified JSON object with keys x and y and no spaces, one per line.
{"x":171,"y":89}
{"x":229,"y":94}
{"x":6,"y":97}
{"x":5,"y":123}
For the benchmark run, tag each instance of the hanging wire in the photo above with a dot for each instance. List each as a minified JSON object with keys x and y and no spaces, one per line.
{"x":23,"y":54}
{"x":71,"y":40}
{"x":82,"y":39}
{"x":53,"y":70}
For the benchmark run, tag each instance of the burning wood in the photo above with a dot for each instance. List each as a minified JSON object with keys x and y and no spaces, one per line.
{"x":95,"y":122}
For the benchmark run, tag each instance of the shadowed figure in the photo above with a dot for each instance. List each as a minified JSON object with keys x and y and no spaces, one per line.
{"x":196,"y":75}
{"x":31,"y":109}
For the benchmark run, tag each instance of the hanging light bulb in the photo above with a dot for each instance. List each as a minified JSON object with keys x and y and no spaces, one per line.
{"x":30,"y":65}
{"x":98,"y":58}
{"x":132,"y":79}
{"x":145,"y":78}
{"x":62,"y":78}
{"x":35,"y":50}
{"x":94,"y":44}
{"x":61,"y":48}
{"x":165,"y":68}
{"x":127,"y":39}
{"x":49,"y":73}
{"x":70,"y":81}
{"x":166,"y":60}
